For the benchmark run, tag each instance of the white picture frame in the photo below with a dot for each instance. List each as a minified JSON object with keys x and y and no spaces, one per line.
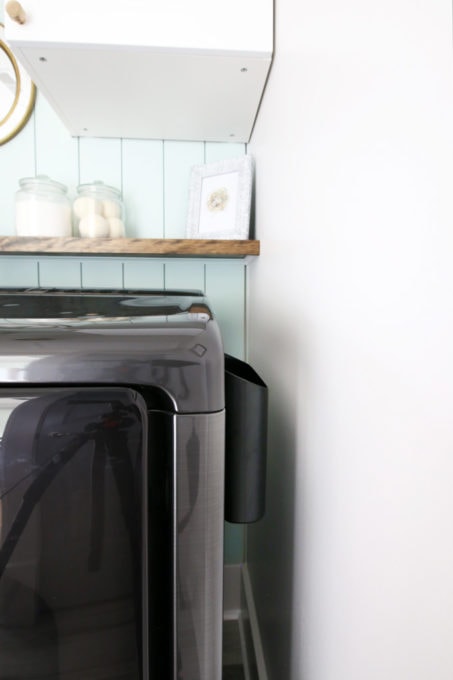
{"x":220,"y":197}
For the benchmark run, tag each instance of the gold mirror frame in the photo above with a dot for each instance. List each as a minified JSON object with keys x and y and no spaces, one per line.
{"x":22,"y":93}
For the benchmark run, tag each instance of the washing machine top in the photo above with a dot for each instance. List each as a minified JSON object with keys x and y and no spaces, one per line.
{"x":160,"y":339}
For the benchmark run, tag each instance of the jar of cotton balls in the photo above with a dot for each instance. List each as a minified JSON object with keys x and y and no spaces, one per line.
{"x":42,"y":208}
{"x":98,"y":211}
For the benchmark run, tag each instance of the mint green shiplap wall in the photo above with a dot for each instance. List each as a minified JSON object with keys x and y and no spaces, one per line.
{"x":154,"y":178}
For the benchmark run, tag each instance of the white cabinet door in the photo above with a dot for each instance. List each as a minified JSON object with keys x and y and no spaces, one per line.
{"x":144,"y":69}
{"x":236,"y":25}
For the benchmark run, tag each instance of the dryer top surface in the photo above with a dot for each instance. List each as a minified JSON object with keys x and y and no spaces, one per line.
{"x":33,"y":306}
{"x":166,"y":339}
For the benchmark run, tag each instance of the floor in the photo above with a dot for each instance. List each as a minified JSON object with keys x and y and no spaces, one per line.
{"x":232,"y":656}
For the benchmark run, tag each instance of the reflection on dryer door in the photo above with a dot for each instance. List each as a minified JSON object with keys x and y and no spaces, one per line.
{"x":71,"y":508}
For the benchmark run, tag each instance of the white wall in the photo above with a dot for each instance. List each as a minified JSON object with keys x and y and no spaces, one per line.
{"x":351,"y":324}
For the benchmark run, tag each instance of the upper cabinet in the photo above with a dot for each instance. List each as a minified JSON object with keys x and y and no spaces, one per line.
{"x":152,"y":69}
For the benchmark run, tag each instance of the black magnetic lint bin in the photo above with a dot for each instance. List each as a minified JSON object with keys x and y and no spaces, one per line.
{"x":245,"y":442}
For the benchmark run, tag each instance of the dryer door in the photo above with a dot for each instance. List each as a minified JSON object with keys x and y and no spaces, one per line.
{"x":72,"y":469}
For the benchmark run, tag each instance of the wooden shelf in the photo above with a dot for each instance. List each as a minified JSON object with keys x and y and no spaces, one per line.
{"x":145,"y":247}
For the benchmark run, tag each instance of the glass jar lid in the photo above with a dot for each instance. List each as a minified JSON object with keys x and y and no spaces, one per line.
{"x":42,"y":184}
{"x":99,"y":188}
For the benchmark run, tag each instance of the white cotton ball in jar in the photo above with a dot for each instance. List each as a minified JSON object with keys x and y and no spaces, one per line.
{"x":94,"y":226}
{"x":87,"y":205}
{"x":111,"y":208}
{"x":116,"y":227}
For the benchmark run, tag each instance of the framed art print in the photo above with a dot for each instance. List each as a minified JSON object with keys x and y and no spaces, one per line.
{"x":220,"y":199}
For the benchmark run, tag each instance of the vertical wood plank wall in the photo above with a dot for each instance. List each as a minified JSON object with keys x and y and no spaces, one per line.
{"x":154,"y":178}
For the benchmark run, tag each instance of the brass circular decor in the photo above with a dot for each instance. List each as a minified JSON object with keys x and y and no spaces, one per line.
{"x":17,"y":93}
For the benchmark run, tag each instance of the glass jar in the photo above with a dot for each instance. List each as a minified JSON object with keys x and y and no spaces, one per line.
{"x":98,"y":211}
{"x":42,"y":208}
